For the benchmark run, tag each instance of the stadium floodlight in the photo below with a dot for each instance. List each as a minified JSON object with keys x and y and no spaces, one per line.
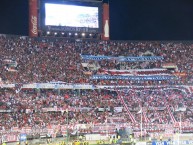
{"x":55,"y":33}
{"x":90,"y":34}
{"x":62,"y":33}
{"x":70,"y":34}
{"x":83,"y":34}
{"x":76,"y":34}
{"x":48,"y":32}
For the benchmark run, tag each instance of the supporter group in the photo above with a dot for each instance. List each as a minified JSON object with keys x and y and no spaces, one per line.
{"x":27,"y":60}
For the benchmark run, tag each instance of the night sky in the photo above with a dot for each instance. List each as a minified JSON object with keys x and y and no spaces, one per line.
{"x":129,"y":19}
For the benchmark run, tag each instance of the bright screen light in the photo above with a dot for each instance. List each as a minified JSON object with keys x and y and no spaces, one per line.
{"x":71,"y":15}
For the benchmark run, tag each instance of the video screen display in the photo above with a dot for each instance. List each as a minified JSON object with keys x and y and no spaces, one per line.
{"x":71,"y":15}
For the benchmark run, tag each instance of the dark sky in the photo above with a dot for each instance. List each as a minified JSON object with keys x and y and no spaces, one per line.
{"x":14,"y":17}
{"x":129,"y":19}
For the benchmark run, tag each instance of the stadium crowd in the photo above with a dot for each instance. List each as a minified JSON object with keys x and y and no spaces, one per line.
{"x":153,"y":104}
{"x":45,"y":60}
{"x":29,"y":107}
{"x":42,"y":60}
{"x":44,"y":107}
{"x":173,"y":52}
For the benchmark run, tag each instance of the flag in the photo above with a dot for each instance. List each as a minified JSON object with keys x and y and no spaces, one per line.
{"x":140,"y":111}
{"x":160,"y":120}
{"x":66,"y":96}
{"x":18,"y":87}
{"x":1,"y":83}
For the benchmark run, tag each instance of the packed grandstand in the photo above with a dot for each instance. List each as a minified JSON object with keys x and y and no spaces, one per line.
{"x":90,"y":86}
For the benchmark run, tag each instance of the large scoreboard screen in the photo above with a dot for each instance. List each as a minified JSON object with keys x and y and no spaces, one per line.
{"x":71,"y":15}
{"x":76,"y":16}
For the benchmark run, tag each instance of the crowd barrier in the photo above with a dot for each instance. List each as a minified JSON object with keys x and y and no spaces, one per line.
{"x":102,"y":130}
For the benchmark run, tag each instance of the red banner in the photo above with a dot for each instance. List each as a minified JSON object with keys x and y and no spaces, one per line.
{"x":13,"y":136}
{"x":191,"y":89}
{"x":10,"y":138}
{"x":33,"y":18}
{"x":180,"y":74}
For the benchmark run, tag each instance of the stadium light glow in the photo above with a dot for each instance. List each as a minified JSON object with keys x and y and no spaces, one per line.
{"x":83,"y":34}
{"x":48,"y":32}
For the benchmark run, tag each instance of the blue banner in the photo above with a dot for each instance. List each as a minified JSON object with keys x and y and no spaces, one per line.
{"x":180,"y":142}
{"x":97,"y":58}
{"x":122,"y":59}
{"x":23,"y":137}
{"x":134,"y":78}
{"x":141,"y":58}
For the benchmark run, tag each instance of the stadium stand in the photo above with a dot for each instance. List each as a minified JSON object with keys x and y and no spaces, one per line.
{"x":27,"y":60}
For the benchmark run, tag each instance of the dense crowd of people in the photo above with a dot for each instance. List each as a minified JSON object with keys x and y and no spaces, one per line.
{"x":28,"y":60}
{"x":25,"y":60}
{"x":173,"y":52}
{"x":44,"y":107}
{"x":153,"y":104}
{"x":40,"y":61}
{"x":28,"y":108}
